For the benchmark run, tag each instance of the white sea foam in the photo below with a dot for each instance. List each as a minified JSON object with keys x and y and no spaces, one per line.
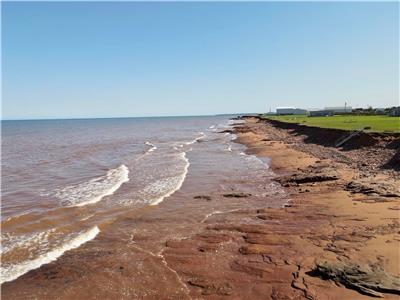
{"x":236,"y":122}
{"x":94,"y":190}
{"x":11,"y":272}
{"x":12,"y":218}
{"x":153,"y":147}
{"x":217,"y":212}
{"x":256,"y":159}
{"x":202,"y":136}
{"x":253,"y":158}
{"x":169,"y":185}
{"x":197,"y":139}
{"x":10,"y":241}
{"x":191,"y":142}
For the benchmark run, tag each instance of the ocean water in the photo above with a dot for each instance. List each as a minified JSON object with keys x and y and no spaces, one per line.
{"x":63,"y":181}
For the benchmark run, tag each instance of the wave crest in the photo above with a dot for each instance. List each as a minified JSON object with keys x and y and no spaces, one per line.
{"x":170,"y":185}
{"x":94,"y":190}
{"x":10,"y":272}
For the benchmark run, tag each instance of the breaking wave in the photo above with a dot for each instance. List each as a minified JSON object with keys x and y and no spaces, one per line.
{"x":94,"y":190}
{"x":10,"y":272}
{"x":197,"y":139}
{"x":153,"y":147}
{"x":169,"y":185}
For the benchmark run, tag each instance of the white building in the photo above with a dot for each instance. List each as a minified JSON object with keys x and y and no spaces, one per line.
{"x":340,"y":109}
{"x":290,"y":111}
{"x":320,"y":113}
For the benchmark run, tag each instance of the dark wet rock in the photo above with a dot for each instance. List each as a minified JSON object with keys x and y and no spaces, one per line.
{"x":367,"y":188}
{"x":203,"y":197}
{"x":369,"y":280}
{"x":394,"y":161}
{"x":305,"y":178}
{"x":236,"y":195}
{"x":227,"y":131}
{"x":207,"y":248}
{"x":353,"y":237}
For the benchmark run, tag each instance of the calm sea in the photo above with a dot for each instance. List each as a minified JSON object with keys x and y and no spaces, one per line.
{"x":62,"y":180}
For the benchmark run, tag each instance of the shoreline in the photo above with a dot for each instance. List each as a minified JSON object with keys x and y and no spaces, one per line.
{"x":333,"y":227}
{"x":359,"y":216}
{"x":327,"y":243}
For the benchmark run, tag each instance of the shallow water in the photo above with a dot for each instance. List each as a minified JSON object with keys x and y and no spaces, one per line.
{"x":66,"y":181}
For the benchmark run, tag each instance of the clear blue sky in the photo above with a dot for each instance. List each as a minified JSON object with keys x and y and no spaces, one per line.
{"x":72,"y":59}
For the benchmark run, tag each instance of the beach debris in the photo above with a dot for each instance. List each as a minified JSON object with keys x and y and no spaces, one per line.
{"x":203,"y":197}
{"x":370,"y":280}
{"x":236,"y":195}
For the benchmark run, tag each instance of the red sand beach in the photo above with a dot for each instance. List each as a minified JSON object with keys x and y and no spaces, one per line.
{"x":337,"y":237}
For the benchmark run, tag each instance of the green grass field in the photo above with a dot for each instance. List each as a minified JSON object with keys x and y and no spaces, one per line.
{"x":377,"y":123}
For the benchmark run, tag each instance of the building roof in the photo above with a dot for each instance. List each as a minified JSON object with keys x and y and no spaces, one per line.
{"x":339,"y":107}
{"x":286,"y":107}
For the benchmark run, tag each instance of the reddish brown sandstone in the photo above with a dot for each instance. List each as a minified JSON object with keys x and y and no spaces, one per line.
{"x":328,"y":228}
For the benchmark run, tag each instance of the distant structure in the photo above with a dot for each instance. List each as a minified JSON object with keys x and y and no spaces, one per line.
{"x":380,"y":110}
{"x":330,"y":111}
{"x":320,"y":113}
{"x":394,"y":111}
{"x":290,"y":111}
{"x":340,"y":109}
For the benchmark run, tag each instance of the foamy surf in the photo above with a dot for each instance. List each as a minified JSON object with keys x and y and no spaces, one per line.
{"x":11,"y":272}
{"x":10,"y":241}
{"x":197,"y":139}
{"x":153,"y":147}
{"x":173,"y":184}
{"x":94,"y":190}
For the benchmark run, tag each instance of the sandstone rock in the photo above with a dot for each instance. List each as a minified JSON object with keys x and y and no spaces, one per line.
{"x":265,"y":239}
{"x":258,"y":249}
{"x":370,"y":280}
{"x":210,"y":287}
{"x":367,"y":188}
{"x":305,"y":178}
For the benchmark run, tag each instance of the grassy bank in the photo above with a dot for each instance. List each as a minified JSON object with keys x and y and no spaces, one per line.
{"x":376,"y":123}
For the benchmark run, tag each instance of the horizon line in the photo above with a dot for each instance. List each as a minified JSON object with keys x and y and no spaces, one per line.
{"x":131,"y":117}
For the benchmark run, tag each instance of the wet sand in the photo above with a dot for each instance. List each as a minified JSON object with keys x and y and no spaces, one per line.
{"x":332,"y":240}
